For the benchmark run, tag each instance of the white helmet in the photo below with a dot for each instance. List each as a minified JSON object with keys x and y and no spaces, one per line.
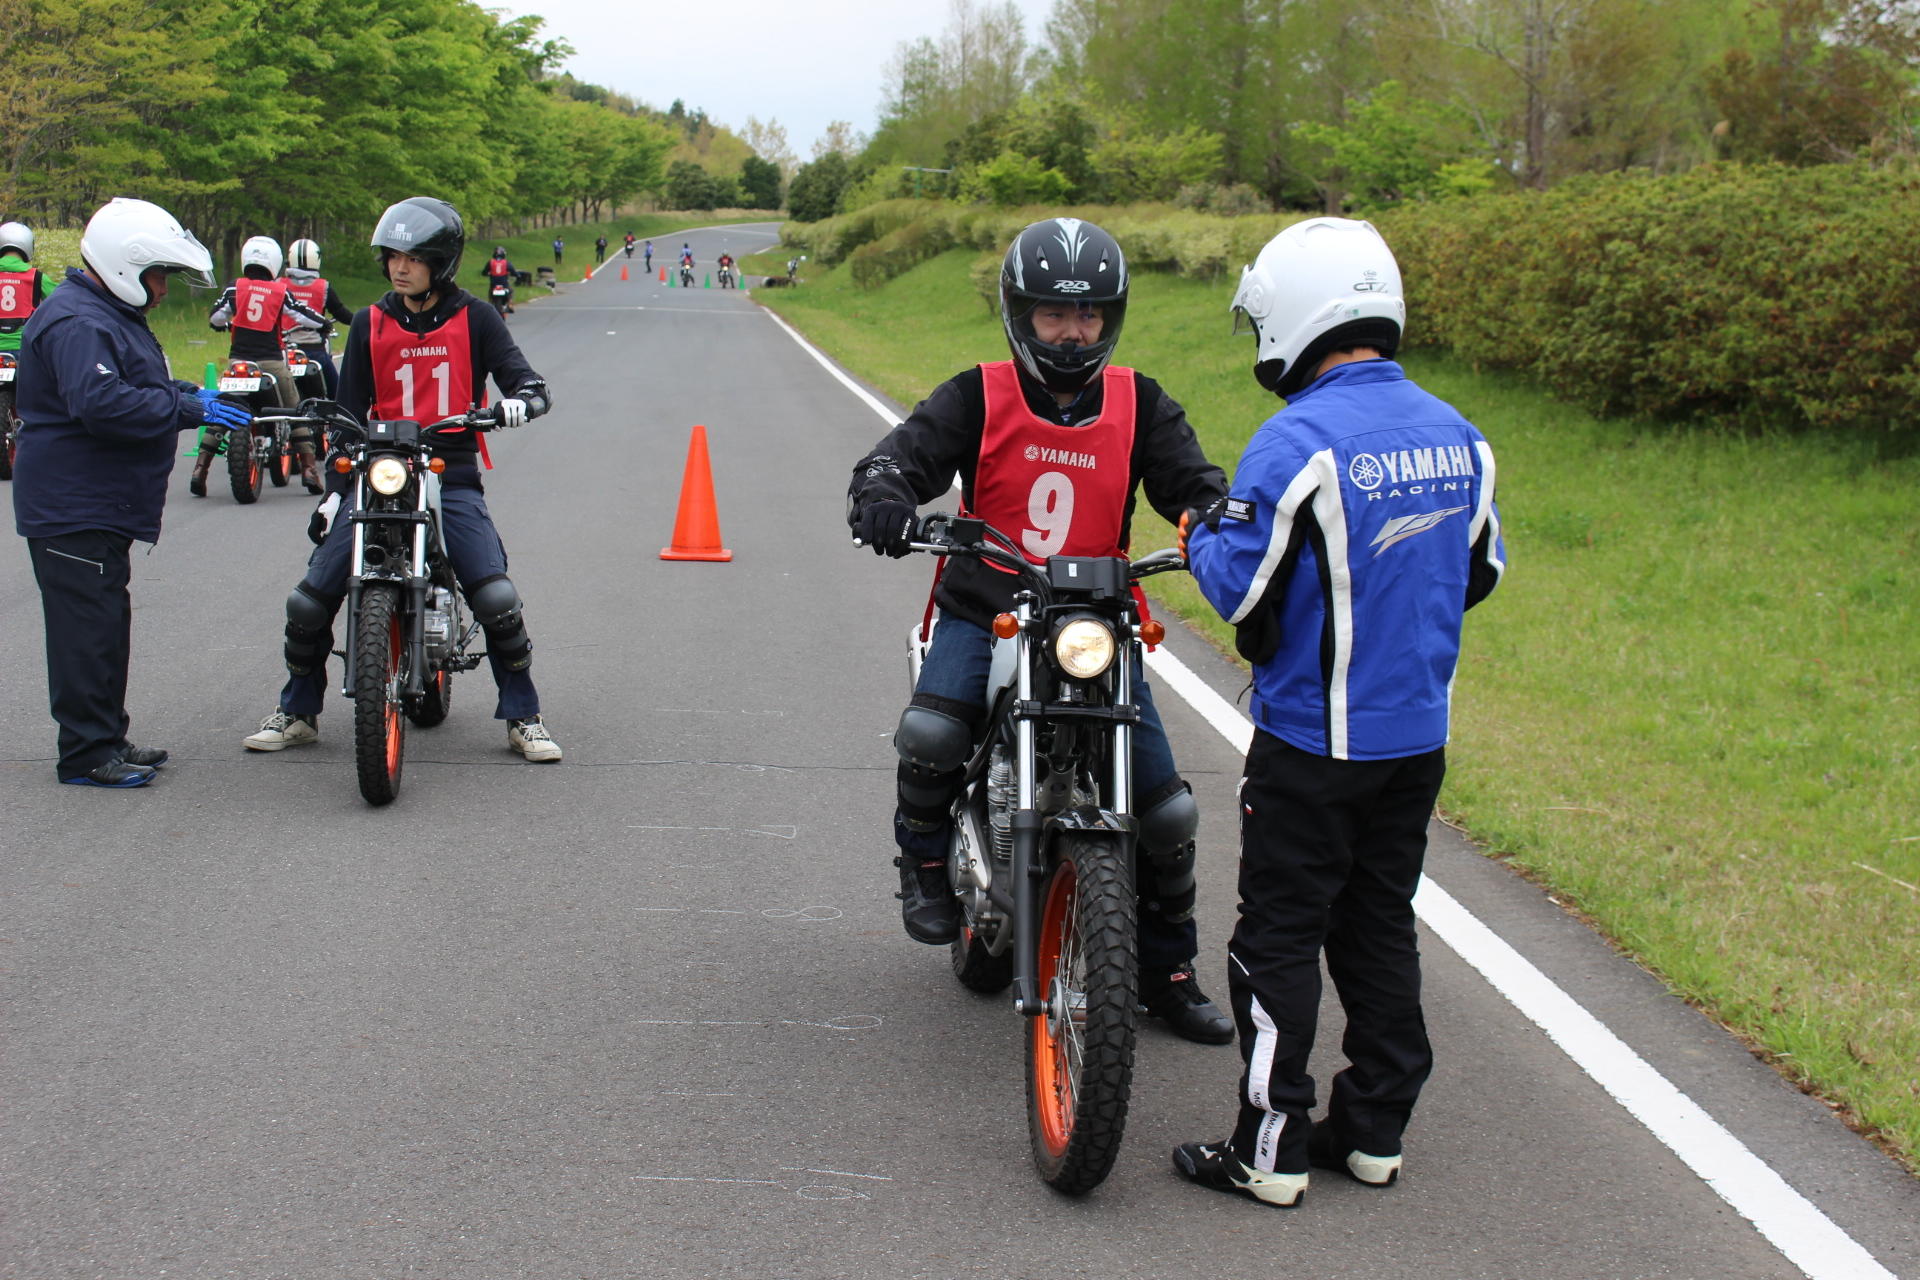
{"x":17,"y":236}
{"x":1320,"y":285}
{"x":303,"y":255}
{"x":261,"y":251}
{"x":127,"y":237}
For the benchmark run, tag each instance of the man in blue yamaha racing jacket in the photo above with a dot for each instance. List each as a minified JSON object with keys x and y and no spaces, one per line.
{"x":1360,"y":527}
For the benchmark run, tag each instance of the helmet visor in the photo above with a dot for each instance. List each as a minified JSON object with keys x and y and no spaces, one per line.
{"x":180,"y":255}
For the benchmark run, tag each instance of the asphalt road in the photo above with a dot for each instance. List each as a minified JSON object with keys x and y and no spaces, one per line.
{"x":649,"y":1012}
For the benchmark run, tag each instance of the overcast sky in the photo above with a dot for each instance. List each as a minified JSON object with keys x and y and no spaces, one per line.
{"x":802,"y":64}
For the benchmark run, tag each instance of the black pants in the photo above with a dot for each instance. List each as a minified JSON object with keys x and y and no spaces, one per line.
{"x":89,"y":616}
{"x":1330,"y":855}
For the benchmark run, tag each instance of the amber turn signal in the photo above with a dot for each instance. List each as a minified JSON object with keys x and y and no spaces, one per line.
{"x":343,"y":465}
{"x":436,"y":465}
{"x":1006,"y":626}
{"x":1153,"y":631}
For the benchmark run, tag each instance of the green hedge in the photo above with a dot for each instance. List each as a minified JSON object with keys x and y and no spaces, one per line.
{"x":1754,"y":296}
{"x":1759,"y":296}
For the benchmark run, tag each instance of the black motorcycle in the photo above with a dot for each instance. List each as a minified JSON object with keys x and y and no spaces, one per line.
{"x":500,"y":294}
{"x":265,"y":452}
{"x":9,"y":425}
{"x":407,"y":625}
{"x":686,"y":275}
{"x":1044,"y":835}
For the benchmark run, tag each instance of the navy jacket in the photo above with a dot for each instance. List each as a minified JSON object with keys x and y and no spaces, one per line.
{"x":101,"y":417}
{"x":1360,"y":527}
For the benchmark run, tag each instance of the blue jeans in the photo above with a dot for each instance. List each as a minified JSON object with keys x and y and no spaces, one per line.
{"x":956,"y":668}
{"x":475,"y":552}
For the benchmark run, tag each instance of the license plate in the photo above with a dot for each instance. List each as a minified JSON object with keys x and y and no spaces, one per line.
{"x":239,"y":384}
{"x":6,"y":375}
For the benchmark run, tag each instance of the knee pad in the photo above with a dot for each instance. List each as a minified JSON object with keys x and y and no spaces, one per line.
{"x":497,"y":608}
{"x":933,"y":747}
{"x":1168,"y":822}
{"x":309,"y":631}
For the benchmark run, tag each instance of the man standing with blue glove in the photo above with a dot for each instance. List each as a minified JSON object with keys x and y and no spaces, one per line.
{"x":101,"y":419}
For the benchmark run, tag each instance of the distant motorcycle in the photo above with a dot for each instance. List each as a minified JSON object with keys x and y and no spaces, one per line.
{"x":500,"y":294}
{"x":9,"y":425}
{"x":726,"y":277}
{"x":686,"y":275}
{"x":265,"y":452}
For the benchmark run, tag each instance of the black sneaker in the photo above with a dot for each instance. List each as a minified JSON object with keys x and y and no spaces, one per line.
{"x":1325,"y":1150}
{"x":1213,"y":1166}
{"x":927,"y":904}
{"x":144,"y":757}
{"x":114,"y":773}
{"x":1176,"y":999}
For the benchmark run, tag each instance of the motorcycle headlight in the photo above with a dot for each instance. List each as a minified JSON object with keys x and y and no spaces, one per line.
{"x":1084,"y":648}
{"x":388,"y":476}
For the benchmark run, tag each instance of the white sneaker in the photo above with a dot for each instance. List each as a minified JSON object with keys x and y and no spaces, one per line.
{"x":280,"y":731}
{"x":530,"y":738}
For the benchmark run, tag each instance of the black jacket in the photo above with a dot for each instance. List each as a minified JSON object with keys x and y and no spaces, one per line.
{"x":917,"y":461}
{"x":102,"y":417}
{"x":494,"y":352}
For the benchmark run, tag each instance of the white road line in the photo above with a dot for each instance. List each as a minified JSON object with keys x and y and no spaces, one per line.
{"x":1789,"y":1221}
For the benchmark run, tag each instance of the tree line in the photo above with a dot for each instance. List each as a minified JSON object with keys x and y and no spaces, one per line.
{"x":296,"y":117}
{"x":1238,"y":105}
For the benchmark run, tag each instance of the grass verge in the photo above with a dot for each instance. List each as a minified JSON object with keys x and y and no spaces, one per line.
{"x":1693,"y":710}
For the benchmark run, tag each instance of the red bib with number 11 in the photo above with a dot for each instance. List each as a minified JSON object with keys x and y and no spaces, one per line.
{"x":1056,"y":490}
{"x":421,"y":377}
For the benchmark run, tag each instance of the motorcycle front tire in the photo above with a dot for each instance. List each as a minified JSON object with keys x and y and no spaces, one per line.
{"x":379,"y":727}
{"x":1080,"y":1053}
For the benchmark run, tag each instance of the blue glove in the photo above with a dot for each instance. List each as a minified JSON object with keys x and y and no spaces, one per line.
{"x":222,"y":413}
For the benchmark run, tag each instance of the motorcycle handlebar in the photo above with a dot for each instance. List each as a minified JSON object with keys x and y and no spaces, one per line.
{"x":995,"y":546}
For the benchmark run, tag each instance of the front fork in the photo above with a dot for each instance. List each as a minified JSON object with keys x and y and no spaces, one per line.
{"x":414,"y":595}
{"x":1028,"y":825}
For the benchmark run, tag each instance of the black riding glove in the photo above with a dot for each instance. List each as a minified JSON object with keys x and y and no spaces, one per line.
{"x":887,"y":526}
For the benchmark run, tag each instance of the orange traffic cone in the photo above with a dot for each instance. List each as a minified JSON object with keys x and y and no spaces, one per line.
{"x":696,"y":529}
{"x":586,"y":275}
{"x":623,"y":271}
{"x":663,"y":275}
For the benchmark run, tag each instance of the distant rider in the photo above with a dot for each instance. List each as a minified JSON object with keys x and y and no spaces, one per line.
{"x":498,"y":269}
{"x":987,"y":425}
{"x":422,"y":353}
{"x":22,"y":288}
{"x":306,"y":285}
{"x":254,"y":309}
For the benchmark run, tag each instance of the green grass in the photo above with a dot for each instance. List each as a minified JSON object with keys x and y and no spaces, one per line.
{"x":181,"y":322}
{"x":1691,"y":710}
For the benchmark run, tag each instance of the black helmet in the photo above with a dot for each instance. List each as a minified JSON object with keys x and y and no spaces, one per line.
{"x":499,"y":251}
{"x":1062,"y":260}
{"x":424,"y":228}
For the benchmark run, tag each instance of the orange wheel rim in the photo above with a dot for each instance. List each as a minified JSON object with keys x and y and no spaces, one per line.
{"x":1054,"y":1076}
{"x":393,"y":700}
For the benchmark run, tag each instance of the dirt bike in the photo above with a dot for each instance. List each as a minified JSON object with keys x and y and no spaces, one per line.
{"x":725,"y":277}
{"x":686,"y":275}
{"x":265,"y":452}
{"x":1044,"y":834}
{"x":500,"y":294}
{"x":407,"y":624}
{"x":9,"y":424}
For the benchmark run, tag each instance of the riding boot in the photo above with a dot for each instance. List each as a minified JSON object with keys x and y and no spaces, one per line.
{"x":197,"y":486}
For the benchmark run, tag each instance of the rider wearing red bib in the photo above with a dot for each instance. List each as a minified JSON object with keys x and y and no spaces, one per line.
{"x":253,"y":310}
{"x":1052,"y":447}
{"x":311,"y":290}
{"x":22,"y":288}
{"x":422,"y":353}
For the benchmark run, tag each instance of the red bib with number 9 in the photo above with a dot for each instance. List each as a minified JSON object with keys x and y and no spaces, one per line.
{"x":1056,"y":490}
{"x":421,"y":377}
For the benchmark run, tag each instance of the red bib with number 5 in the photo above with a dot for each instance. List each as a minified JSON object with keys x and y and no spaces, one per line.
{"x":1055,"y":490}
{"x":421,"y":377}
{"x":257,"y":304}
